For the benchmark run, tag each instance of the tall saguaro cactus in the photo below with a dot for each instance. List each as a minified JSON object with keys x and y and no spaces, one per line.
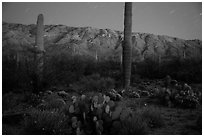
{"x":40,"y":32}
{"x":39,"y":51}
{"x":127,"y":45}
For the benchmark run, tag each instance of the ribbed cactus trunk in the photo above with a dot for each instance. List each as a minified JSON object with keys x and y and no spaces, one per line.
{"x":39,"y":48}
{"x":127,"y":45}
{"x":40,"y":32}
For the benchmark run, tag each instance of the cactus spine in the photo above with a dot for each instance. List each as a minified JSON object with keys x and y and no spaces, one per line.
{"x":127,"y":48}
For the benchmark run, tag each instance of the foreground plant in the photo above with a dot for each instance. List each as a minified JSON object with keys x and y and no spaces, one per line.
{"x":46,"y":123}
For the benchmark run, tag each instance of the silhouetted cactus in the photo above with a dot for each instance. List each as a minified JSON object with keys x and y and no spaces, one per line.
{"x":127,"y":51}
{"x":39,"y":51}
{"x":40,"y":32}
{"x":184,"y":51}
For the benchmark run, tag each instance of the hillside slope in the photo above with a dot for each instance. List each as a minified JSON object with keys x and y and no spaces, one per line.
{"x":101,"y":44}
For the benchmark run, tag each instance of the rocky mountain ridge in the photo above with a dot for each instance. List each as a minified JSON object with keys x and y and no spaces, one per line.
{"x":100,"y":44}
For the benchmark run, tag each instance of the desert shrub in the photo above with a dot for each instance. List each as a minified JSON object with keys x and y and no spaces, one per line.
{"x":10,"y":130}
{"x":16,"y":77}
{"x":51,"y":97}
{"x":162,"y":95}
{"x":51,"y":102}
{"x":186,"y":100}
{"x":31,"y":99}
{"x":199,"y":123}
{"x":186,"y":97}
{"x":146,"y":69}
{"x":46,"y":123}
{"x":188,"y":70}
{"x":60,"y":69}
{"x":177,"y":97}
{"x":108,"y":68}
{"x":11,"y":100}
{"x":9,"y":79}
{"x":64,"y":68}
{"x":56,"y":104}
{"x":152,"y":116}
{"x":134,"y":126}
{"x":94,"y":83}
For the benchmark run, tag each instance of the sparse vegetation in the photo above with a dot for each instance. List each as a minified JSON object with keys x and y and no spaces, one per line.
{"x":94,"y":83}
{"x":134,"y":126}
{"x":188,"y":70}
{"x":81,"y":85}
{"x":152,"y":116}
{"x":46,"y":123}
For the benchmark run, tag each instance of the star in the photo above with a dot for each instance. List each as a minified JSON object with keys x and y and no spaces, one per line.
{"x":27,"y":10}
{"x":172,"y":11}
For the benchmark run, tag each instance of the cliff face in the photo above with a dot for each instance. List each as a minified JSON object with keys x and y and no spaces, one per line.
{"x":100,"y":44}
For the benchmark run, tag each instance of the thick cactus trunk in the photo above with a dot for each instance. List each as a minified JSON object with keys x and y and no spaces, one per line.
{"x":39,"y":51}
{"x":40,"y":32}
{"x":127,"y":48}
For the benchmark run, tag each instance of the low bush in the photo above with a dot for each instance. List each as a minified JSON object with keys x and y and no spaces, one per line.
{"x":163,"y":95}
{"x":178,"y":96}
{"x":199,"y":123}
{"x":141,"y":120}
{"x":152,"y":116}
{"x":64,"y":69}
{"x":186,"y":99}
{"x":11,"y":100}
{"x":134,"y":126}
{"x":16,"y":76}
{"x":94,"y":83}
{"x":189,"y":70}
{"x":11,"y":130}
{"x":32,"y":99}
{"x":56,"y":104}
{"x":46,"y":123}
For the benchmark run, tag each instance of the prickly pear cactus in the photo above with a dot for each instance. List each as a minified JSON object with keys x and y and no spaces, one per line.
{"x":71,"y":109}
{"x":112,"y":105}
{"x":100,"y":98}
{"x":96,"y":114}
{"x":99,"y":127}
{"x":99,"y":113}
{"x":107,"y":99}
{"x":83,"y":105}
{"x":95,"y":99}
{"x":74,"y":122}
{"x":107,"y":109}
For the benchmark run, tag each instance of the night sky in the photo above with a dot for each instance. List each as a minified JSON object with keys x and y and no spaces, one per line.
{"x":182,"y":20}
